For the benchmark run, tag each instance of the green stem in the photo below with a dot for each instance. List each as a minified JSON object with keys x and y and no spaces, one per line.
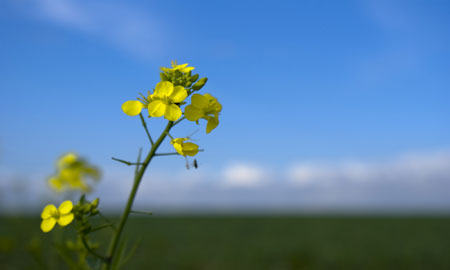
{"x":146,"y":129}
{"x":141,"y":212}
{"x":126,"y":162}
{"x":134,"y":189}
{"x":90,"y":250}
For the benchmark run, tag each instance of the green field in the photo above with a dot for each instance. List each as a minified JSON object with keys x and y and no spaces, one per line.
{"x":253,"y":243}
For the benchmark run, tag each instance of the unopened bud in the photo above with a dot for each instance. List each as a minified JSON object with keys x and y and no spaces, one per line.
{"x":194,"y":78}
{"x":95,"y":202}
{"x":198,"y":85}
{"x":164,"y":76}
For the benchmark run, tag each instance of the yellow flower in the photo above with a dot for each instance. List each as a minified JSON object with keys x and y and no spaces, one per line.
{"x":50,"y":215}
{"x":71,"y":173}
{"x":183,"y":68}
{"x":184,"y":148}
{"x":206,"y":107}
{"x":132,"y":107}
{"x":164,"y":101}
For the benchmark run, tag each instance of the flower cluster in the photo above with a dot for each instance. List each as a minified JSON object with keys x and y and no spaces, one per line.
{"x":72,"y":172}
{"x":177,"y":83}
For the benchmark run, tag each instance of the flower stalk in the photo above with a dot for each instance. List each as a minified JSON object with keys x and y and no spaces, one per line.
{"x":131,"y":197}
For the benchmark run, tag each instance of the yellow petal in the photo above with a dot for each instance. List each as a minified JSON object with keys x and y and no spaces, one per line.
{"x":190,"y":149}
{"x":179,"y":94}
{"x":67,"y":160}
{"x":173,"y":112}
{"x":178,"y":140}
{"x":65,"y":220}
{"x":56,"y":183}
{"x":199,"y":101}
{"x":178,"y":147}
{"x":163,"y":89}
{"x":187,"y":69}
{"x":132,"y":107}
{"x":192,"y":113}
{"x":213,"y":122}
{"x":156,"y":108}
{"x":48,"y":224}
{"x":213,"y":103}
{"x":65,"y":207}
{"x":48,"y":210}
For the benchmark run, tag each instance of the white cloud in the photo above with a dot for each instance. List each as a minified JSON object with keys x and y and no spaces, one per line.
{"x":125,"y":27}
{"x":411,"y":168}
{"x":244,"y":175}
{"x":412,"y":182}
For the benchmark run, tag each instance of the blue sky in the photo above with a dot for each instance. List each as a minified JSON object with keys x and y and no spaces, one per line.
{"x":306,"y":86}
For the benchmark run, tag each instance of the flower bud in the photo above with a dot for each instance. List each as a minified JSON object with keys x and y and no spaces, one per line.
{"x":198,"y":85}
{"x":95,"y":202}
{"x":164,"y":77}
{"x":194,"y":78}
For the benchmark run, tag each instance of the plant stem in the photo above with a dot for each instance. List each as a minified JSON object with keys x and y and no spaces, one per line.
{"x":134,"y":189}
{"x":90,"y":250}
{"x":146,"y":129}
{"x":126,"y":162}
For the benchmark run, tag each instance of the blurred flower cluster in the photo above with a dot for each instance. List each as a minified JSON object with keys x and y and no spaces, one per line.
{"x":72,"y":173}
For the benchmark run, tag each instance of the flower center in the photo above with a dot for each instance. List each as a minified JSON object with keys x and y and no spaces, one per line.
{"x":55,"y":214}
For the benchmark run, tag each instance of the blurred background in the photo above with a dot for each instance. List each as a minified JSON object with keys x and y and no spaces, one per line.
{"x":331,"y":109}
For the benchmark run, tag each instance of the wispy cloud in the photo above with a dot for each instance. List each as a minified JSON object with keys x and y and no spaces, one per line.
{"x":121,"y":25}
{"x":412,"y":182}
{"x":411,"y":169}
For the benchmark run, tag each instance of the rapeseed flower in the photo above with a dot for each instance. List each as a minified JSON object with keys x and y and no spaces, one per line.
{"x":164,"y":101}
{"x":204,"y":106}
{"x":52,"y":215}
{"x":182,"y":68}
{"x":72,"y":172}
{"x":184,"y":148}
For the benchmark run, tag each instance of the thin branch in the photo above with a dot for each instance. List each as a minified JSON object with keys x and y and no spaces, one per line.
{"x":88,"y":248}
{"x":126,"y":162}
{"x":101,"y":227}
{"x":179,"y":120}
{"x":141,"y":212}
{"x":146,"y":129}
{"x":174,"y":153}
{"x":107,"y":220}
{"x":138,"y":161}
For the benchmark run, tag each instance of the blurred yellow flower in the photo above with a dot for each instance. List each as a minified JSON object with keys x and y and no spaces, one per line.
{"x":204,"y":106}
{"x":184,"y":148}
{"x":183,"y":67}
{"x":72,"y":172}
{"x":164,"y":101}
{"x":51,"y":215}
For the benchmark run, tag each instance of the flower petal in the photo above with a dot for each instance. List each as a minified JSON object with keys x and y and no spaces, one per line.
{"x":193,"y":113}
{"x":163,"y":89}
{"x":213,"y":103}
{"x":173,"y":112}
{"x":48,"y":210}
{"x":67,"y":160}
{"x":55,"y":183}
{"x":132,"y":107}
{"x":65,"y":207}
{"x":179,"y":148}
{"x":179,"y":94}
{"x":213,"y":122}
{"x":156,"y":108}
{"x":48,"y":224}
{"x":199,"y":101}
{"x":65,"y":220}
{"x":190,"y":149}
